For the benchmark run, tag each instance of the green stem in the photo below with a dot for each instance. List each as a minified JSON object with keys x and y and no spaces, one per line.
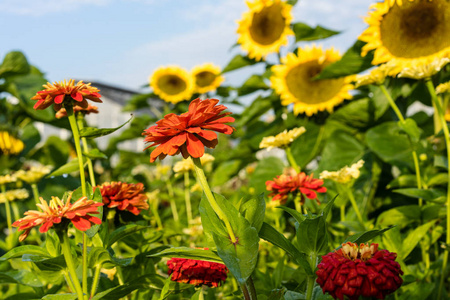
{"x":35,"y":190}
{"x":86,"y":149}
{"x":212,"y":201}
{"x":441,"y":114}
{"x":187,"y":197}
{"x":392,"y":103}
{"x":355,"y":206}
{"x":311,"y":279}
{"x":69,"y":282}
{"x":343,"y":213}
{"x":173,"y":204}
{"x":96,"y":279}
{"x":65,"y":245}
{"x":245,"y":292}
{"x":291,"y":159}
{"x":8,"y":209}
{"x":419,"y":181}
{"x":251,"y":288}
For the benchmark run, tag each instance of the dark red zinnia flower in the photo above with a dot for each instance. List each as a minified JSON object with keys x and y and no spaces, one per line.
{"x":197,"y":272}
{"x":283,"y":185}
{"x":124,"y":196}
{"x":353,"y":271}
{"x":189,"y":132}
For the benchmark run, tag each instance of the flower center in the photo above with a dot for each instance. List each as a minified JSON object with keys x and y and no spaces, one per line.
{"x":364,"y":252}
{"x":268,"y":25}
{"x":301,"y":85}
{"x":204,"y":78}
{"x":171,"y":84}
{"x":416,"y":29}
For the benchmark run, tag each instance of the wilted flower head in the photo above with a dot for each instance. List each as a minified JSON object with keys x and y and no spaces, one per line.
{"x":34,"y":174}
{"x":197,"y":272}
{"x":10,"y":145}
{"x":11,"y":195}
{"x":423,"y":69}
{"x":187,"y":164}
{"x":58,"y":92}
{"x":353,"y":271}
{"x":189,"y":132}
{"x":8,"y":178}
{"x":124,"y":196}
{"x":283,"y":139}
{"x":344,"y":175}
{"x":443,"y":88}
{"x":298,"y":184}
{"x":56,"y":212}
{"x":91,"y":109}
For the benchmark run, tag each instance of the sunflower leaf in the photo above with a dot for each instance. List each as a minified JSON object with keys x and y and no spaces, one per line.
{"x":186,"y":252}
{"x":304,"y":32}
{"x":91,"y":132}
{"x":237,"y":62}
{"x":14,"y":63}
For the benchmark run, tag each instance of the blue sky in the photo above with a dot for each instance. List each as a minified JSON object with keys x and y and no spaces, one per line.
{"x":121,"y":42}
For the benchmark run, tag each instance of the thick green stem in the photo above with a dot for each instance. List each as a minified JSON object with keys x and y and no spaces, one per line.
{"x":355,"y":206}
{"x":69,"y":282}
{"x":311,"y":279}
{"x":173,"y":204}
{"x":419,"y":180}
{"x":65,"y":245}
{"x":35,"y":190}
{"x":8,"y":209}
{"x":212,"y":201}
{"x":187,"y":197}
{"x":96,"y":279}
{"x":251,"y":288}
{"x":86,"y":150}
{"x":440,"y":111}
{"x":291,"y":159}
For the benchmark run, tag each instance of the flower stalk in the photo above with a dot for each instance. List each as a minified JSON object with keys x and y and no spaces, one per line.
{"x":187,"y":197}
{"x":65,"y":245}
{"x":291,"y":159}
{"x":80,"y":124}
{"x":35,"y":190}
{"x":8,"y":210}
{"x":212,"y":201}
{"x":96,"y":279}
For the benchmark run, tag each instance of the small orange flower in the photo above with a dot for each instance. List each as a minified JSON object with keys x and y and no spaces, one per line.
{"x":91,"y":109}
{"x":57,"y":92}
{"x":353,"y":271}
{"x":124,"y":196}
{"x":197,"y":272}
{"x":189,"y":132}
{"x":57,"y":212}
{"x":283,"y":185}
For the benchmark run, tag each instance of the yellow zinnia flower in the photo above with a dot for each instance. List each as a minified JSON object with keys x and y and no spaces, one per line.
{"x":443,"y":88}
{"x":11,"y":195}
{"x":5,"y":179}
{"x":172,"y":84}
{"x":344,"y":175}
{"x":34,"y":174}
{"x":9,"y":145}
{"x":282,"y":139}
{"x":265,"y":27}
{"x":207,"y":78}
{"x":408,"y":30}
{"x":293,"y":81}
{"x":187,"y":165}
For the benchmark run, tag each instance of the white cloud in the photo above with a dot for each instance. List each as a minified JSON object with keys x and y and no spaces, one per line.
{"x":41,"y":7}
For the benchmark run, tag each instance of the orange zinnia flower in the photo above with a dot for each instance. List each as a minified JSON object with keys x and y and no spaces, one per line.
{"x":88,"y":110}
{"x":57,"y":212}
{"x":57,"y":92}
{"x":283,"y":185}
{"x":124,"y":196}
{"x":197,"y":272}
{"x":186,"y":133}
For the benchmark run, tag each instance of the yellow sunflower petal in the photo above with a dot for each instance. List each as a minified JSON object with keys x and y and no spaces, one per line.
{"x":408,"y":30}
{"x":293,"y":81}
{"x":172,"y":84}
{"x":265,"y":27}
{"x":207,"y":78}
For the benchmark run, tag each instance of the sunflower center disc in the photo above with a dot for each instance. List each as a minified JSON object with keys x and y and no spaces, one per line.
{"x":171,"y":84}
{"x":267,"y":25}
{"x":204,"y":78}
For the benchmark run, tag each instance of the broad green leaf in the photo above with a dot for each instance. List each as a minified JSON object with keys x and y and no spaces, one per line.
{"x":95,"y":154}
{"x":305,"y":32}
{"x":407,"y":180}
{"x":24,"y":277}
{"x":21,"y":250}
{"x":254,"y":211}
{"x":224,"y":172}
{"x":441,"y":161}
{"x":364,"y":237}
{"x":411,"y":128}
{"x":312,"y":236}
{"x":138,"y":101}
{"x":351,"y":63}
{"x":60,"y":297}
{"x":438,"y":179}
{"x":52,"y":243}
{"x":165,"y":292}
{"x":295,"y":214}
{"x":252,"y":84}
{"x":54,"y":152}
{"x":237,"y":62}
{"x":434,"y":195}
{"x":185,"y":252}
{"x":271,"y":235}
{"x":91,"y":132}
{"x":97,"y":197}
{"x":257,"y":108}
{"x":292,"y":2}
{"x":401,"y":216}
{"x":124,"y":231}
{"x":413,"y":238}
{"x":306,"y":146}
{"x":393,"y":241}
{"x":14,"y":63}
{"x":54,"y":264}
{"x":71,"y":166}
{"x":198,"y":295}
{"x":267,"y":169}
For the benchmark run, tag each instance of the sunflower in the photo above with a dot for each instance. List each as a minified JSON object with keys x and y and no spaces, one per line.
{"x":172,"y":84}
{"x":293,"y":81}
{"x":265,"y":28}
{"x":408,"y":30}
{"x":207,"y":78}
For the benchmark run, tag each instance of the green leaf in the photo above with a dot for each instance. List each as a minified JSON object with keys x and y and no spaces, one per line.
{"x":198,"y":295}
{"x":267,"y":169}
{"x":14,"y":63}
{"x":185,"y":252}
{"x":252,"y":84}
{"x":97,"y":197}
{"x":224,"y":172}
{"x":100,"y":256}
{"x":52,"y":243}
{"x":438,"y":179}
{"x":304,"y":32}
{"x":292,"y":2}
{"x":312,"y":236}
{"x":307,"y":146}
{"x":414,"y":238}
{"x":21,"y":250}
{"x":270,"y":234}
{"x":237,"y":62}
{"x":138,"y":101}
{"x":294,"y":213}
{"x":429,"y":195}
{"x":71,"y":166}
{"x":257,"y":108}
{"x":351,"y":63}
{"x":441,"y":161}
{"x":91,"y":132}
{"x":254,"y":211}
{"x":411,"y":128}
{"x":60,"y":297}
{"x":401,"y":216}
{"x":364,"y":237}
{"x":123,"y":232}
{"x":165,"y":292}
{"x":95,"y":154}
{"x":407,"y":180}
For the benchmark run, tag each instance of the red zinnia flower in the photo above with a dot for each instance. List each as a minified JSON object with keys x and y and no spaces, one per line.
{"x":186,"y":133}
{"x":124,"y":196}
{"x":56,"y":211}
{"x":88,"y":110}
{"x":353,"y":272}
{"x":283,"y":185}
{"x":197,"y":272}
{"x":58,"y":91}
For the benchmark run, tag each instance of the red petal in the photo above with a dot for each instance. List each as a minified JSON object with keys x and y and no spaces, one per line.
{"x":59,"y":99}
{"x":194,"y":146}
{"x":77,"y":96}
